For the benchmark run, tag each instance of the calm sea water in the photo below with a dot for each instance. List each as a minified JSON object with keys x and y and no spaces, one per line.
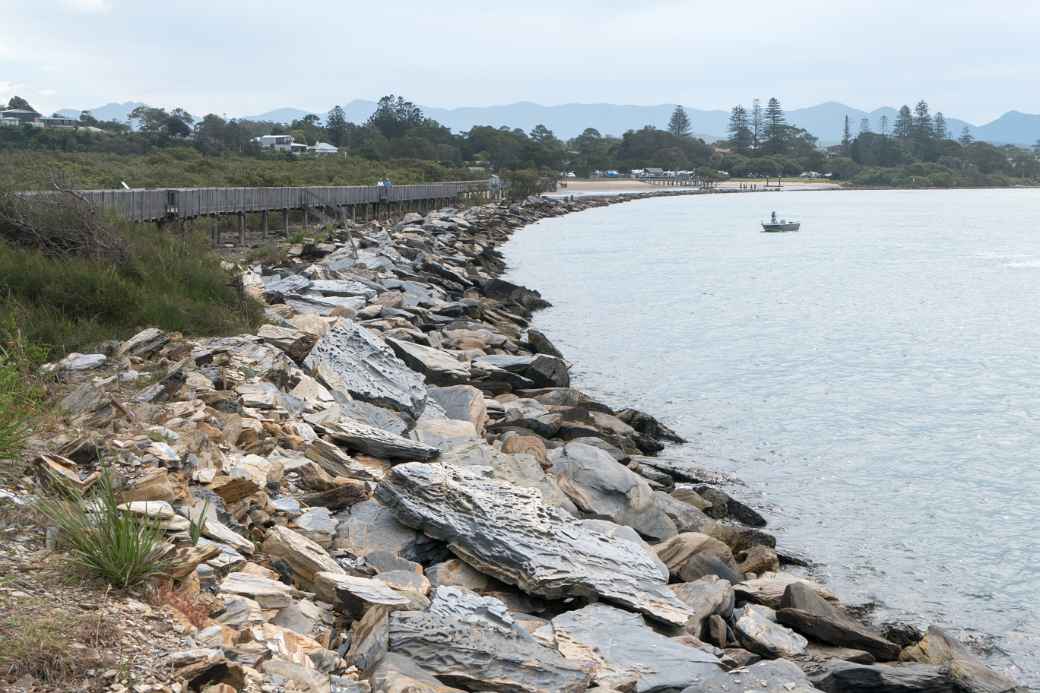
{"x":874,"y":379}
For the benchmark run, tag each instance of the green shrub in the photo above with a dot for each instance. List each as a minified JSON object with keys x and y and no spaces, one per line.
{"x":120,"y":547}
{"x":20,"y":390}
{"x":168,"y":281}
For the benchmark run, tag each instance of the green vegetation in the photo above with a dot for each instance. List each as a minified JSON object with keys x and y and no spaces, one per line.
{"x":20,"y":391}
{"x":120,"y":547}
{"x":71,"y":298}
{"x":919,"y":152}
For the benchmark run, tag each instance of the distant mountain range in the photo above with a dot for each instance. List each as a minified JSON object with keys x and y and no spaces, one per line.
{"x":825,"y":120}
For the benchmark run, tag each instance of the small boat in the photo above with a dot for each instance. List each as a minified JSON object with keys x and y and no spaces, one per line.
{"x":775,"y":225}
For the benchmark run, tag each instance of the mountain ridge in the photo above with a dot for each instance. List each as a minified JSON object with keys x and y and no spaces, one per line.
{"x":824,"y":120}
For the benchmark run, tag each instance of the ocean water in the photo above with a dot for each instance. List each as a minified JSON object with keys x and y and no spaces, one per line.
{"x":873,"y":380}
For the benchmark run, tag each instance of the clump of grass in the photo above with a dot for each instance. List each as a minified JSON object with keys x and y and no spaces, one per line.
{"x":197,"y":524}
{"x":117,"y":546}
{"x":37,"y":636}
{"x":268,"y":254}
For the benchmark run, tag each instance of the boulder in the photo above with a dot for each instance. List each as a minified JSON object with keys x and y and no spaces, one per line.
{"x":682,"y":470}
{"x":508,"y":532}
{"x":455,"y":573}
{"x":967,"y":670}
{"x":539,"y":370}
{"x":686,"y":517}
{"x":439,"y":367}
{"x":649,"y":426}
{"x":838,"y":676}
{"x":778,"y":676}
{"x":463,"y":403}
{"x":356,"y":595}
{"x":629,"y":654}
{"x":377,"y":442}
{"x":352,"y":359}
{"x":603,"y":488}
{"x":471,"y":641}
{"x":304,"y":557}
{"x":399,"y":674}
{"x":705,"y":596}
{"x":723,"y":505}
{"x":808,"y":613}
{"x":757,"y":631}
{"x":268,"y":593}
{"x":369,"y":526}
{"x":295,"y":343}
{"x":759,"y":559}
{"x":768,"y":589}
{"x":540,"y":344}
{"x":317,"y":525}
{"x":678,"y":550}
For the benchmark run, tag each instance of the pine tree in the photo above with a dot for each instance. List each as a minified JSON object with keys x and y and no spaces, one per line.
{"x":756,"y":124}
{"x":940,"y":126}
{"x":846,"y":135}
{"x":884,"y":126}
{"x":336,"y":126}
{"x":922,"y":127}
{"x":864,"y":125}
{"x":904,"y":125}
{"x":776,"y":127}
{"x":740,"y":134}
{"x":966,"y":137}
{"x":679,"y":123}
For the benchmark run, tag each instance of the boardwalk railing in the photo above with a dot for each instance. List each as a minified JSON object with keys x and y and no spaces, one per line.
{"x":189,"y":203}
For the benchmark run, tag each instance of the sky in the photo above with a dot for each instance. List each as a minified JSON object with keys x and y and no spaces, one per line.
{"x":970,"y":59}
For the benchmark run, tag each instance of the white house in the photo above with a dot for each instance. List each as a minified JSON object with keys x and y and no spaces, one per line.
{"x":279,"y":143}
{"x":323,"y":149}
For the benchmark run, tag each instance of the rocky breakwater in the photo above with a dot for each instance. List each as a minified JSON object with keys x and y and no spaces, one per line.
{"x":399,"y":490}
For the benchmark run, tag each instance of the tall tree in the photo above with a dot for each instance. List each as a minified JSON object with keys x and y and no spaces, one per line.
{"x":904,"y":125}
{"x":740,"y":134}
{"x":757,"y":129}
{"x":776,"y":127}
{"x":884,"y":126}
{"x":940,"y":126}
{"x":20,"y":103}
{"x":336,"y":126}
{"x":923,"y":128}
{"x":864,"y":125}
{"x":394,"y":116}
{"x":966,"y":137}
{"x":679,"y":123}
{"x":846,"y":135}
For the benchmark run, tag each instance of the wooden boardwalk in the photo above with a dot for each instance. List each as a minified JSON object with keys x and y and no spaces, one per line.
{"x":179,"y":204}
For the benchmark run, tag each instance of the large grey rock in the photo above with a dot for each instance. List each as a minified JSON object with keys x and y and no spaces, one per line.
{"x":768,"y":589}
{"x":304,"y":557}
{"x":396,"y":673}
{"x":439,"y":367}
{"x":682,"y":470}
{"x":706,"y":596}
{"x":369,"y":526}
{"x":602,"y":488}
{"x":342,"y":287}
{"x":808,"y":613}
{"x":462,"y":402}
{"x":840,"y":676}
{"x":778,"y":676}
{"x":762,"y":635}
{"x":352,"y":359}
{"x":510,"y":533}
{"x":377,"y":442}
{"x":724,"y":505}
{"x":540,"y":370}
{"x":938,"y":647}
{"x":630,"y":654}
{"x":471,"y":641}
{"x":677,"y":552}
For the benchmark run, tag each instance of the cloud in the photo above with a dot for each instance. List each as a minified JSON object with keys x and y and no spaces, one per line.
{"x":90,"y":6}
{"x":47,"y":92}
{"x":9,"y":89}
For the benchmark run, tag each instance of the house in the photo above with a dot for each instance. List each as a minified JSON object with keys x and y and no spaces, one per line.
{"x":57,"y":121}
{"x":323,"y":149}
{"x":278,"y":143}
{"x":19,"y":116}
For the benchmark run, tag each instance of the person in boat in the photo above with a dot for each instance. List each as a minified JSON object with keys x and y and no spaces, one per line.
{"x":774,"y":217}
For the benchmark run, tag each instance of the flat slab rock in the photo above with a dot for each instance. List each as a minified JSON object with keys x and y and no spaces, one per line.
{"x":377,"y":442}
{"x":351,"y":358}
{"x":629,"y":654}
{"x":508,"y":532}
{"x":777,"y":676}
{"x":439,"y":367}
{"x":471,"y":641}
{"x":846,"y":677}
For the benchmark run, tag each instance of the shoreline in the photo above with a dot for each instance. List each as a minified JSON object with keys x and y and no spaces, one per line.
{"x":399,"y":454}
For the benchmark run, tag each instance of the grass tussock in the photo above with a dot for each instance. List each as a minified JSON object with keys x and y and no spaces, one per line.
{"x":72,"y":301}
{"x":121,"y":548}
{"x":38,"y":640}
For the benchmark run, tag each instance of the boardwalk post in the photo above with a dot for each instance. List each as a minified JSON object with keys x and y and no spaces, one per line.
{"x":241,"y":228}
{"x":265,"y":223}
{"x":285,"y":222}
{"x":306,"y":218}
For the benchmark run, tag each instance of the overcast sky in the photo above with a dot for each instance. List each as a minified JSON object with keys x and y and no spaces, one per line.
{"x":973,"y":60}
